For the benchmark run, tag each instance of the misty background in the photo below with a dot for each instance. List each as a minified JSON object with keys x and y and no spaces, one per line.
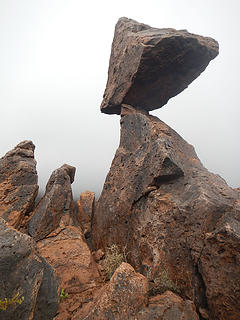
{"x":53,"y":70}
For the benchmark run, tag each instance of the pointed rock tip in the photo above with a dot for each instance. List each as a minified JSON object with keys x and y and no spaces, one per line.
{"x":26,"y":144}
{"x":70,"y":171}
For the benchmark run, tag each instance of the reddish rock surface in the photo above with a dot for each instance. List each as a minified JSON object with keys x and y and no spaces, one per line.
{"x":121,"y":298}
{"x":148,"y":66}
{"x":85,"y":208}
{"x":169,"y":213}
{"x":56,"y":201}
{"x":219,"y":265}
{"x":168,"y":306}
{"x":125,"y":297}
{"x":25,"y":273}
{"x":18,"y":183}
{"x":65,"y":249}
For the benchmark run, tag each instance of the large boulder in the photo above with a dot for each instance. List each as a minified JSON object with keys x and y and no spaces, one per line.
{"x":56,"y":202}
{"x":18,"y":183}
{"x":177,"y":222}
{"x":148,"y":66}
{"x":28,"y":285}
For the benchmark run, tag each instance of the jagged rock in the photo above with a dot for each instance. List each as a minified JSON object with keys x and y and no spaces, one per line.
{"x":148,"y":66}
{"x":85,"y":208}
{"x":18,"y":183}
{"x":23,"y":272}
{"x":169,"y":214}
{"x":65,"y":249}
{"x":219,"y":265}
{"x":125,"y":297}
{"x":168,"y":306}
{"x":121,"y":298}
{"x":56,"y":201}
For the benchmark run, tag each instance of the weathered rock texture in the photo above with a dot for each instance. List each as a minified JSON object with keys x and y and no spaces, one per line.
{"x":170,"y":214}
{"x":85,"y":208}
{"x":56,"y":202}
{"x":148,"y":66}
{"x":18,"y":183}
{"x":168,"y":306}
{"x":122,"y":298}
{"x":125,"y":297}
{"x":65,"y":249}
{"x":25,"y":273}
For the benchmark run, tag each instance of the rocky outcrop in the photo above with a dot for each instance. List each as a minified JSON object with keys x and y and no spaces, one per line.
{"x":122,"y":298}
{"x":65,"y":249}
{"x":177,"y":224}
{"x":63,"y":245}
{"x":85,"y":209}
{"x":18,"y":183}
{"x":28,"y":286}
{"x":56,"y":201}
{"x":148,"y":66}
{"x":126,"y":297}
{"x":169,"y":213}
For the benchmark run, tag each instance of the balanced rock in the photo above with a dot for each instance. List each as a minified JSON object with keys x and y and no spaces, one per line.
{"x":28,"y":286}
{"x":18,"y":183}
{"x":175,"y":220}
{"x":56,"y":201}
{"x":148,"y":66}
{"x":85,"y":208}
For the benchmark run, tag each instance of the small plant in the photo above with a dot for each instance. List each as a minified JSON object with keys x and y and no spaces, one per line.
{"x":113,"y":259}
{"x":163,"y":282}
{"x":63,"y":295}
{"x":6,"y":302}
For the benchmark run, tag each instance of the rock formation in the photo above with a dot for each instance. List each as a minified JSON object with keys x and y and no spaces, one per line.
{"x":18,"y":183}
{"x":56,"y":202}
{"x":126,"y":297}
{"x":148,"y":66}
{"x":178,"y":223}
{"x":85,"y":209}
{"x":66,"y":250}
{"x":168,"y":306}
{"x":170,"y":213}
{"x":28,"y":286}
{"x":62,"y":243}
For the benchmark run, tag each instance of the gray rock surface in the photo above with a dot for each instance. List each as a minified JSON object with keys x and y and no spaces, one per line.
{"x":24,"y":274}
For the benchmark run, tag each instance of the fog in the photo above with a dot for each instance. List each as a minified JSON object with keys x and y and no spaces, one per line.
{"x":53,"y":71}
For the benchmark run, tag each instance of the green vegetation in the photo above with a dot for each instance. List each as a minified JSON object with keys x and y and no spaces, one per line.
{"x":163,"y":282}
{"x":63,"y":295}
{"x":113,"y":259}
{"x":6,"y":302}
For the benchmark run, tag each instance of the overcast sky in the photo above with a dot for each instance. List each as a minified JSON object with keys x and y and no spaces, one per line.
{"x":53,"y":69}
